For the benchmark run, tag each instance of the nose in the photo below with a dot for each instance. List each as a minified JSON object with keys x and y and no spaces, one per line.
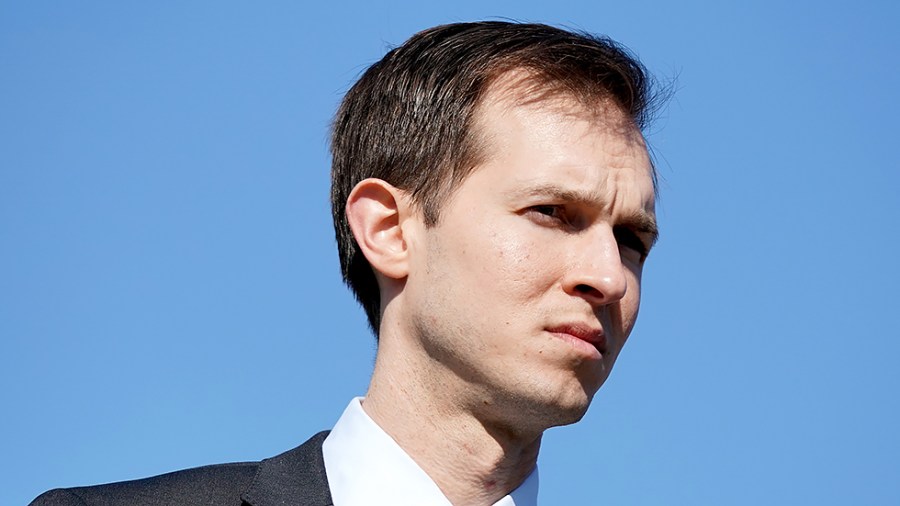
{"x":596,"y":272}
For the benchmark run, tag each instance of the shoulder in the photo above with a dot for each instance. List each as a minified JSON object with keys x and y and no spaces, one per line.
{"x":295,"y":476}
{"x":219,"y":484}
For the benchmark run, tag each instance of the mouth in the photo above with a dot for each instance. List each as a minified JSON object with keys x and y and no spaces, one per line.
{"x":582,"y":332}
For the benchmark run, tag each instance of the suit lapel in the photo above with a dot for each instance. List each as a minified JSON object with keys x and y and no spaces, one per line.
{"x":294,"y":478}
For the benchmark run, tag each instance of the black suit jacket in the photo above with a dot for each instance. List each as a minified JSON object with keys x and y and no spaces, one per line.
{"x":296,"y":477}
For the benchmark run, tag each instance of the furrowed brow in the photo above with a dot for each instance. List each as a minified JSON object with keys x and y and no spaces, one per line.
{"x":556,"y":193}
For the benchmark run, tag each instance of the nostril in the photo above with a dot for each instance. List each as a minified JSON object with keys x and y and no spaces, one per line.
{"x":600,"y":292}
{"x":586,"y":289}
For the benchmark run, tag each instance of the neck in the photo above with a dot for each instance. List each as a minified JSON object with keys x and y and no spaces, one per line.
{"x":472,"y":460}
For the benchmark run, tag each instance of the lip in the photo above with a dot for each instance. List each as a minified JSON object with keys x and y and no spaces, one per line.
{"x":582,"y":332}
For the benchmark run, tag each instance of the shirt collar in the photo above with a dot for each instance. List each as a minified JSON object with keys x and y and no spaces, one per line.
{"x":365,"y":466}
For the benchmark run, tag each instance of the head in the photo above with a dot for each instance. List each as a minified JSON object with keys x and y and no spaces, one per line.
{"x":411,"y":119}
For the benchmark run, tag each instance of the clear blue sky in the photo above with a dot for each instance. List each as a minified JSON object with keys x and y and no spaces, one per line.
{"x":170,"y":294}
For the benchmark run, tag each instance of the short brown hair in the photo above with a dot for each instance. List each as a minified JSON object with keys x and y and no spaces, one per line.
{"x":408,"y":119}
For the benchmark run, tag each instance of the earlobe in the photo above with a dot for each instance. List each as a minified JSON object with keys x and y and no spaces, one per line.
{"x":374,"y":211}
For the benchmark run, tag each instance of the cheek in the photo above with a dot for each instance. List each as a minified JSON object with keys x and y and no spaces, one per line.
{"x":630,"y":304}
{"x":521,"y":264}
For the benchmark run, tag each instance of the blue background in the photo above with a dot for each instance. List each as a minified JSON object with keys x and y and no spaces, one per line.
{"x":170,"y":295}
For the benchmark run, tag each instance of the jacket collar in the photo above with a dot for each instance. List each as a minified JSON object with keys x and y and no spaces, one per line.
{"x":294,"y":478}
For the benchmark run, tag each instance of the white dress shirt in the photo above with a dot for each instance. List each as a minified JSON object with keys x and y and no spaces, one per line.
{"x":366,"y":467}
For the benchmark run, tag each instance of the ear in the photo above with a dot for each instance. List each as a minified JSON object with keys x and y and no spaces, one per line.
{"x":375,"y":212}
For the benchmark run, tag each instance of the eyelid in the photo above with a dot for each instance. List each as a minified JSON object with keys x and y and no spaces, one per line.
{"x":539,"y":208}
{"x":559,"y":212}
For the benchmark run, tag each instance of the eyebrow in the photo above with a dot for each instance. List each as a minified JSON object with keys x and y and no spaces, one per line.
{"x":640,"y":220}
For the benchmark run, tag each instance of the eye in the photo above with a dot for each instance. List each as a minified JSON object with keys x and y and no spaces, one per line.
{"x":548,"y":210}
{"x":549,"y":213}
{"x":627,"y":238}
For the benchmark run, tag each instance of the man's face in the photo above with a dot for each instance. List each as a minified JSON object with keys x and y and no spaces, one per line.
{"x":526,"y":289}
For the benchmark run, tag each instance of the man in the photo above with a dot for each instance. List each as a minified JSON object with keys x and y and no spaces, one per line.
{"x":493,"y":203}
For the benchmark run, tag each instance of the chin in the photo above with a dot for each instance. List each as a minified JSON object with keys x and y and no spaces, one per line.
{"x":571,"y":400}
{"x":571,"y":411}
{"x":541,"y":401}
{"x":537,"y":413}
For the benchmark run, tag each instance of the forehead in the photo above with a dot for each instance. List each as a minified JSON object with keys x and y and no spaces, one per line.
{"x":516,"y":113}
{"x":555,"y":149}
